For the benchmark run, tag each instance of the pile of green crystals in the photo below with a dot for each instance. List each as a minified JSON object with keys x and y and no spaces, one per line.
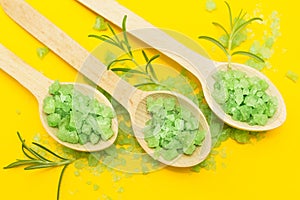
{"x":172,"y":130}
{"x":79,"y":118}
{"x":244,"y":97}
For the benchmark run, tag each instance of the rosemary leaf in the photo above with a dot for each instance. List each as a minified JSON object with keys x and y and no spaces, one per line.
{"x":105,"y":38}
{"x":145,"y":55}
{"x":34,"y":153}
{"x":41,"y":166}
{"x":243,"y":25}
{"x":133,"y":71}
{"x":238,"y":19}
{"x":26,"y":154}
{"x":114,"y":33}
{"x":150,"y":67}
{"x":230,"y":14}
{"x":37,"y":155}
{"x":126,"y":42}
{"x":216,"y":42}
{"x":21,"y":163}
{"x":116,"y":61}
{"x":144,"y":84}
{"x":222,"y":27}
{"x":124,"y":29}
{"x":251,"y":55}
{"x":48,"y":150}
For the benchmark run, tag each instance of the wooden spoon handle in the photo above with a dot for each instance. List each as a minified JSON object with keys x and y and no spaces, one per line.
{"x":151,"y":35}
{"x":68,"y":49}
{"x":31,"y":79}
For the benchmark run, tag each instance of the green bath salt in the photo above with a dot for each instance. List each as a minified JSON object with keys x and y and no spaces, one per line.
{"x":172,"y":129}
{"x":244,"y":98}
{"x":79,"y":118}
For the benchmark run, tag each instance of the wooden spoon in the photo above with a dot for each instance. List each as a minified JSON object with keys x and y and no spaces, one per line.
{"x":203,"y":68}
{"x":132,"y":99}
{"x":38,"y":85}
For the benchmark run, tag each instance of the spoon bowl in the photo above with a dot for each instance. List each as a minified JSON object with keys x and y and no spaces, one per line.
{"x":38,"y":85}
{"x":140,"y":118}
{"x":274,"y":122}
{"x":88,"y":147}
{"x":199,"y":66}
{"x":133,"y":99}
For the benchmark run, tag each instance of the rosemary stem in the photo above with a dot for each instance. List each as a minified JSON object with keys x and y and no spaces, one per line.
{"x":60,"y":180}
{"x":229,"y":50}
{"x":64,"y":162}
{"x":136,"y":64}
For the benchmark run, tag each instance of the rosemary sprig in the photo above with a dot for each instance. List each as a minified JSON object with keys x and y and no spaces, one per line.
{"x":237,"y":25}
{"x":36,"y":161}
{"x":147,"y":71}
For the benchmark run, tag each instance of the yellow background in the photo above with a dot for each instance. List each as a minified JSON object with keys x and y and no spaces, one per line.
{"x":268,"y":169}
